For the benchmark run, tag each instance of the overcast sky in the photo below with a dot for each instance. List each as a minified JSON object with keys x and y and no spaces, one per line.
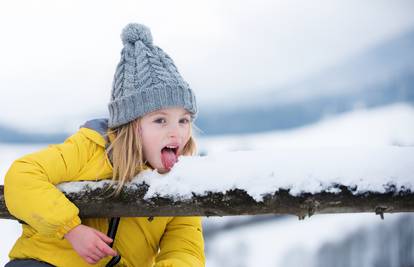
{"x":57,"y":58}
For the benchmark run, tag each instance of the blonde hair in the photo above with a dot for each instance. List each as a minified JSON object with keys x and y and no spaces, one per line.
{"x":126,"y":154}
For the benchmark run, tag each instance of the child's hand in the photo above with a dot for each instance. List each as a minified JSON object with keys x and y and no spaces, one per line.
{"x":89,"y":243}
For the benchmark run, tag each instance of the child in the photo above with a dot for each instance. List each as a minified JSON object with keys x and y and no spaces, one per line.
{"x":150,"y":115}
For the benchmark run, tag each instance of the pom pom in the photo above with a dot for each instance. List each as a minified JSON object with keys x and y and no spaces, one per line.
{"x":134,"y":32}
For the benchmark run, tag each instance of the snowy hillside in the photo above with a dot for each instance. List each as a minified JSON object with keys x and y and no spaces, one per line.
{"x":353,"y":240}
{"x":389,"y":125}
{"x":379,"y":75}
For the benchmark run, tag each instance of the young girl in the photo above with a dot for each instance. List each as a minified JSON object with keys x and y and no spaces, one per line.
{"x":149,"y":126}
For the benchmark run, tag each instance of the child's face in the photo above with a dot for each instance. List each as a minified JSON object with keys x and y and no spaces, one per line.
{"x":164,"y":134}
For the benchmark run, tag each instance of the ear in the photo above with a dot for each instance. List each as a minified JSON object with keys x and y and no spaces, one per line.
{"x":137,"y":126}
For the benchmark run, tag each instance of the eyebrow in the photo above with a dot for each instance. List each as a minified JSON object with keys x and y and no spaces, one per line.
{"x":166,"y":114}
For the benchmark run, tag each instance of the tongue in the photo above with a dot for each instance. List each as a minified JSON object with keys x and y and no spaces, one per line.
{"x":168,"y":158}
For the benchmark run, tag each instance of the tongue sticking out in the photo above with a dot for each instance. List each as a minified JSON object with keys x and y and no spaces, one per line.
{"x":168,"y":158}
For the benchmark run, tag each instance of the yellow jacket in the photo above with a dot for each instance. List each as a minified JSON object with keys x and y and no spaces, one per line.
{"x":31,"y":195}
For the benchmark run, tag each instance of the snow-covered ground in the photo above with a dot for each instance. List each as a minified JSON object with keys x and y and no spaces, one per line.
{"x":390,"y":125}
{"x":267,"y":244}
{"x":293,"y":243}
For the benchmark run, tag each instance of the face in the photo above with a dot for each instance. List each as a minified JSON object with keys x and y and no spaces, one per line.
{"x":164,"y":134}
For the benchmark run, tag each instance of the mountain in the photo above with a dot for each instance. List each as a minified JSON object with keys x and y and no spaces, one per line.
{"x":10,"y":135}
{"x":378,"y":76}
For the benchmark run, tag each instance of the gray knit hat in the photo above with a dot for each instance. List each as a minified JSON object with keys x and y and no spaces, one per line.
{"x":145,"y":80}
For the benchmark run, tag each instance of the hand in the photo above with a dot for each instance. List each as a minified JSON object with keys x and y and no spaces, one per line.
{"x":89,"y":243}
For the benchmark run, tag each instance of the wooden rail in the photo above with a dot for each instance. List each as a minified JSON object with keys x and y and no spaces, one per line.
{"x":131,"y":203}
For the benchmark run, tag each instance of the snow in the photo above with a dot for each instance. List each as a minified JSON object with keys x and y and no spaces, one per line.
{"x":375,"y":132}
{"x":274,"y":243}
{"x":390,"y":125}
{"x":300,"y":170}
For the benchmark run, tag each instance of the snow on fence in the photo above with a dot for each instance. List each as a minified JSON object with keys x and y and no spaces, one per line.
{"x":301,"y":182}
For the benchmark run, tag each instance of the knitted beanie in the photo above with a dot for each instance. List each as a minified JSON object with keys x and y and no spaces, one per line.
{"x":145,"y":80}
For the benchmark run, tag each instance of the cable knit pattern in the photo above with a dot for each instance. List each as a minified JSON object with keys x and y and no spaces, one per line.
{"x":146,"y":79}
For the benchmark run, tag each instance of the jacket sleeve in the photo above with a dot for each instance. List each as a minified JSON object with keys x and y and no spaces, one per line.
{"x":182,"y":244}
{"x":29,"y":186}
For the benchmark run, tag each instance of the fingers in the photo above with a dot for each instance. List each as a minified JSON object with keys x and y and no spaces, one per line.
{"x":90,"y":244}
{"x":95,"y":255}
{"x":104,"y":248}
{"x":90,"y":260}
{"x":98,"y":250}
{"x":104,"y":237}
{"x":98,"y":253}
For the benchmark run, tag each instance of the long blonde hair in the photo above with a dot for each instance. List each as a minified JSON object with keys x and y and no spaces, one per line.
{"x":125,"y":152}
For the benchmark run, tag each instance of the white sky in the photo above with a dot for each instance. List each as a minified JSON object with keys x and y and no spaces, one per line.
{"x":58,"y":57}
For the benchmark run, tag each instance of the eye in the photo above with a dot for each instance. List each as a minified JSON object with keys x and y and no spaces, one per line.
{"x":184,"y":120}
{"x":160,"y":120}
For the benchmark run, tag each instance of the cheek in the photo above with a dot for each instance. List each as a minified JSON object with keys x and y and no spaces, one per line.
{"x":186,"y":133}
{"x":149,"y":151}
{"x":150,"y":142}
{"x":146,"y":142}
{"x":145,"y":133}
{"x":188,"y":130}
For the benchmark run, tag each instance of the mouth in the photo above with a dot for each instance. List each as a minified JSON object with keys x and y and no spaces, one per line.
{"x":169,"y":156}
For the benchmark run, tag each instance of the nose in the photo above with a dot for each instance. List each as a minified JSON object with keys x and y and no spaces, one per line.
{"x":173,"y":130}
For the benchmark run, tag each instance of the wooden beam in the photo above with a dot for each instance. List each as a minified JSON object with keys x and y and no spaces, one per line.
{"x":94,"y":202}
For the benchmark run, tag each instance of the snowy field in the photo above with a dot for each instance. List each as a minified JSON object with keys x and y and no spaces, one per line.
{"x":390,"y":125}
{"x":269,"y":243}
{"x":292,"y":243}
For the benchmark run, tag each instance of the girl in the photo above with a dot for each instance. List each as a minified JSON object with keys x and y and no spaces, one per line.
{"x":149,"y":126}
